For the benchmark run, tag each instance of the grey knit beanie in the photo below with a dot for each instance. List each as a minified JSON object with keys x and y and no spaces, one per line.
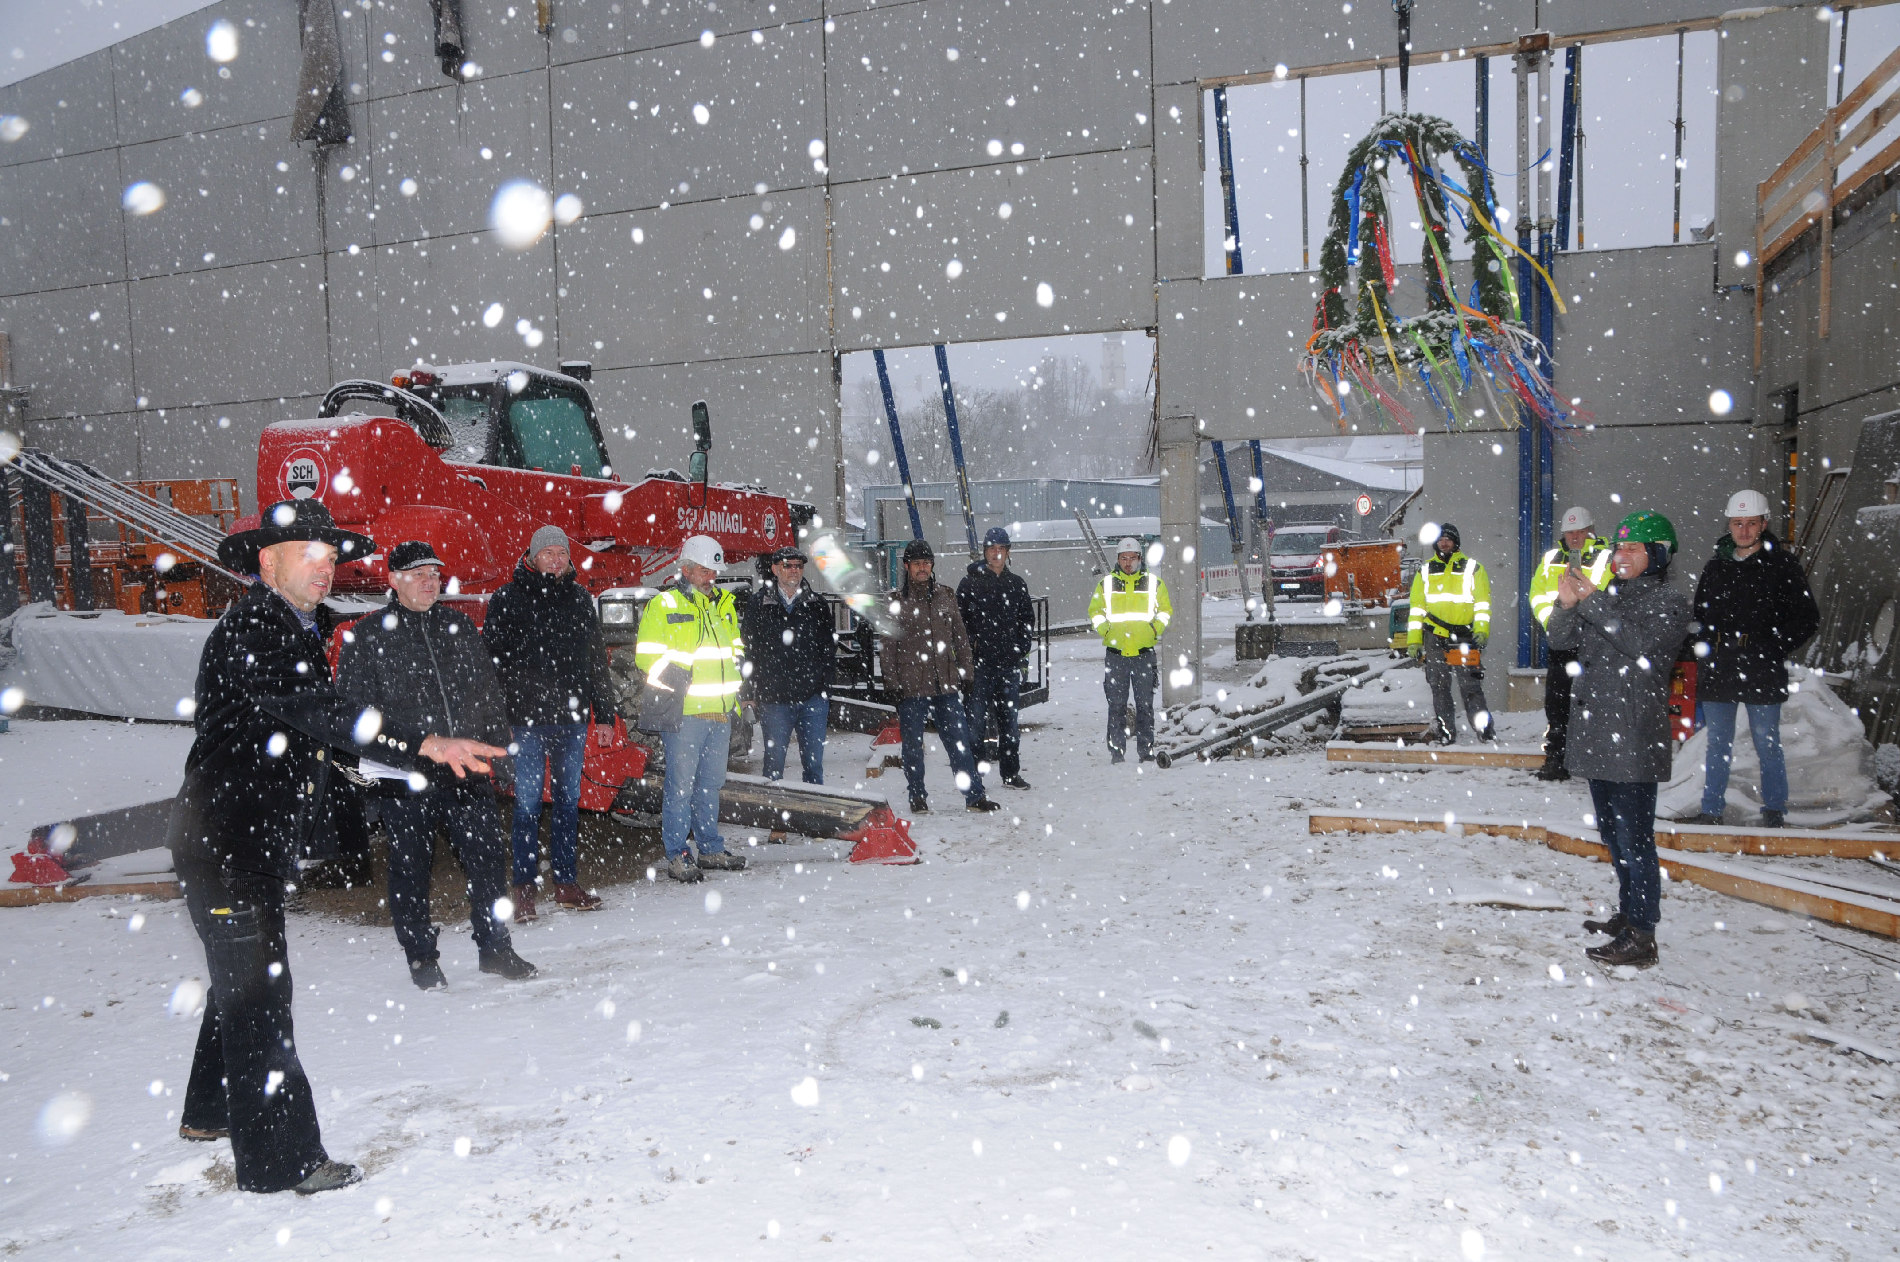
{"x":548,"y":537}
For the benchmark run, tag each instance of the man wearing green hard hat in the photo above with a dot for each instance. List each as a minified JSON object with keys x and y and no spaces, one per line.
{"x":1625,"y":636}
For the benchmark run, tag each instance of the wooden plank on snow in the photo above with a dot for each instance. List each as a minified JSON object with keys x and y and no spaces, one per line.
{"x":1325,"y":822}
{"x":1434,"y":755}
{"x":32,"y":895}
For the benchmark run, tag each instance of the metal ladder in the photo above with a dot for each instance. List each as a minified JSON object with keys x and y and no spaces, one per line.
{"x":159,"y":522}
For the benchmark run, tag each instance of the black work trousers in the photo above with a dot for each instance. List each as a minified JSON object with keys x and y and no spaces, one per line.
{"x":1557,"y":704}
{"x":1469,"y":682}
{"x":1140,"y":675}
{"x":468,"y":814}
{"x":995,"y":699}
{"x":245,"y":1075}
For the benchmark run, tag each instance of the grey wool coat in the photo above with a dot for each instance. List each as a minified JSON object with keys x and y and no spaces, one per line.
{"x":1626,"y":637}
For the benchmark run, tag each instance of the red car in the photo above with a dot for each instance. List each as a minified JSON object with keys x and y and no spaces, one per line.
{"x":1299,"y":569}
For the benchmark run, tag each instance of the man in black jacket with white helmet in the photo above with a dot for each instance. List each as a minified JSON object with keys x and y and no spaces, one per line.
{"x":424,"y":664}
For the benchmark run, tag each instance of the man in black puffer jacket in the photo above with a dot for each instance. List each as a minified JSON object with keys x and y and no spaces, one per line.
{"x":423,"y":665}
{"x":544,"y":634}
{"x":1001,"y":618}
{"x":790,"y":648}
{"x":1755,"y":609}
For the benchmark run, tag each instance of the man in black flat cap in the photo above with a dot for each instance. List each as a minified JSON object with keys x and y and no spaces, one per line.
{"x":264,"y":790}
{"x":790,"y":647}
{"x":423,"y":664}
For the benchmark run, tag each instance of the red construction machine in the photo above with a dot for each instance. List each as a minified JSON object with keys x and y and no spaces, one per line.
{"x":473,"y":458}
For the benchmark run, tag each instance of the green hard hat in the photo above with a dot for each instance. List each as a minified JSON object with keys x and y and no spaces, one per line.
{"x":1646,"y":526}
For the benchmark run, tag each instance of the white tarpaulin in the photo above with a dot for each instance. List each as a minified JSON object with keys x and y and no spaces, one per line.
{"x":110,"y":663}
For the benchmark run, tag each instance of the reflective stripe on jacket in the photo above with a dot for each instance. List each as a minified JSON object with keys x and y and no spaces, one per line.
{"x":1456,"y":591}
{"x":1130,"y":611}
{"x":683,"y":626}
{"x":1595,"y":560}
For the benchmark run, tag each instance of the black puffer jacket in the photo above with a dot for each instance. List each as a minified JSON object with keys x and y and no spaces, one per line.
{"x":259,"y":791}
{"x":429,"y":671}
{"x":1625,"y":637}
{"x":999,"y":614}
{"x":789,"y":652}
{"x":1754,"y":613}
{"x":544,"y":635}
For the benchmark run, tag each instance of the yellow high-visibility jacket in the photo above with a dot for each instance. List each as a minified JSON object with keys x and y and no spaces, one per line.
{"x":701,"y":633}
{"x":1130,"y":611}
{"x":1595,"y":560}
{"x":1456,"y":591}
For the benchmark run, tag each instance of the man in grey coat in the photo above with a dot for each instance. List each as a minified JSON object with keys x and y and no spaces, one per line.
{"x":1625,"y":638}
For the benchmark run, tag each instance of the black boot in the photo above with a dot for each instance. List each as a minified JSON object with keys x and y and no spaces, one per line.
{"x":503,"y":962}
{"x":427,"y":974}
{"x":1635,"y":947}
{"x":1553,"y":768}
{"x":1614,"y":926}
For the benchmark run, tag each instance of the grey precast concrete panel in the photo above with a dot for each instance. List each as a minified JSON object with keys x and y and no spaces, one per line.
{"x":62,"y":217}
{"x":1583,"y":17}
{"x":1179,"y":188}
{"x":230,"y":334}
{"x":356,"y":327}
{"x":215,"y":442}
{"x":771,"y":420}
{"x":1056,"y":79}
{"x":1204,"y":39}
{"x":157,"y":68}
{"x":1772,"y":73}
{"x":1647,"y":340}
{"x":430,"y":300}
{"x":439,"y":138}
{"x":1230,"y":349}
{"x":351,"y":191}
{"x":1078,"y":225}
{"x":497,"y":35}
{"x":1685,"y":472}
{"x":226,"y":201}
{"x":628,"y":135}
{"x":68,"y":109}
{"x":696,"y":282}
{"x":599,"y":28}
{"x":72,"y":350}
{"x":1858,"y":355}
{"x":108,"y":442}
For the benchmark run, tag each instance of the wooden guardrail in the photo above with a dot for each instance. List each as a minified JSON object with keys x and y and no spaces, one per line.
{"x":1824,"y":170}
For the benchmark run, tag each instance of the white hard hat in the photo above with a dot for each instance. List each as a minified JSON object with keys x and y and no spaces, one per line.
{"x":1128,"y":545}
{"x":1576,"y":519}
{"x":703,"y":550}
{"x":1747,"y":504}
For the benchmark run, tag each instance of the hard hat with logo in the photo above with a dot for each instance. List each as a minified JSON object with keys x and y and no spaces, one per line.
{"x":1647,"y":526}
{"x":1128,"y":544}
{"x":1578,"y":518}
{"x":1747,"y":504}
{"x":703,"y":550}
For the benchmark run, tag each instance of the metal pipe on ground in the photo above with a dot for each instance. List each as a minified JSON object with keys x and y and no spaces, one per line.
{"x":1273,"y":720}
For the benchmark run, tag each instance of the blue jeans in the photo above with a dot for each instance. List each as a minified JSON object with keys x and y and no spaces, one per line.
{"x":996,"y":695}
{"x":695,"y":772}
{"x":1626,"y":820}
{"x":1764,"y":724}
{"x":562,"y":746}
{"x":947,"y":709}
{"x":779,"y":719}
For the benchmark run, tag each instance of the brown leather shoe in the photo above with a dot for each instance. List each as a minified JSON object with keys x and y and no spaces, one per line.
{"x":524,"y":904}
{"x":574,"y":898}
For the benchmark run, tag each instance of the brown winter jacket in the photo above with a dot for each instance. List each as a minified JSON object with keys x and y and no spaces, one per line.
{"x":930,"y":654}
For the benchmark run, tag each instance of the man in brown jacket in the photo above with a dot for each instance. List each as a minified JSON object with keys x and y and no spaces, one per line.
{"x":926,"y":664}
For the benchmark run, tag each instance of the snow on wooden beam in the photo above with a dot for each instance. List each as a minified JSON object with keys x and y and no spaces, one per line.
{"x":30,"y":895}
{"x":1384,"y":754}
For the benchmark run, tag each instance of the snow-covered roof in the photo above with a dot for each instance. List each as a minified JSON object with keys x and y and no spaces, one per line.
{"x":1379,"y":477}
{"x":480,"y":374}
{"x":1109,"y":528}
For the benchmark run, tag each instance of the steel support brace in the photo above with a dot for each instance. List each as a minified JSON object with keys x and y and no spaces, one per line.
{"x":956,"y":450}
{"x":1230,"y":206}
{"x":897,"y":444}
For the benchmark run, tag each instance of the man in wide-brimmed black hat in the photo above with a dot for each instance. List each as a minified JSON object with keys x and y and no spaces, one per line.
{"x":263,"y":791}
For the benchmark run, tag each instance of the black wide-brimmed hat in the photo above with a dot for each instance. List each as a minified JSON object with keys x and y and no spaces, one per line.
{"x":292,"y":521}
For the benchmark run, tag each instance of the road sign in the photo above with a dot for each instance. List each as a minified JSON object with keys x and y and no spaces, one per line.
{"x":1363,"y":505}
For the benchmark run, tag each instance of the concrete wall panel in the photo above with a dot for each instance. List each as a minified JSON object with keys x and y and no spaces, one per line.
{"x":1230,"y":350}
{"x":1686,"y":472}
{"x":898,"y":104}
{"x":697,"y":282}
{"x":601,"y":28}
{"x":427,"y":300}
{"x":226,"y":201}
{"x":61,"y":223}
{"x":215,"y":442}
{"x":68,"y":109}
{"x":764,"y":106}
{"x":72,"y":350}
{"x":232,"y":334}
{"x":1180,"y":186}
{"x":1079,"y":225}
{"x":772,"y":421}
{"x":1581,"y":17}
{"x":438,"y":139}
{"x":356,"y":339}
{"x":109,"y":444}
{"x":1772,"y":73}
{"x":499,"y":42}
{"x":1858,"y":354}
{"x":154,"y":70}
{"x":1202,"y":39}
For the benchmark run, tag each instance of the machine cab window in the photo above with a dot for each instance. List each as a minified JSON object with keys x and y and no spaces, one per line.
{"x":549,"y":428}
{"x":516,"y":418}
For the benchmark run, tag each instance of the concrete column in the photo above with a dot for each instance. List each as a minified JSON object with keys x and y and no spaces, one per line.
{"x":1181,"y":562}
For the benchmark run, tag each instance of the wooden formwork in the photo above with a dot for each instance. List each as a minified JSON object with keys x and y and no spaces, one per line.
{"x":30,"y":895}
{"x":1383,"y":754}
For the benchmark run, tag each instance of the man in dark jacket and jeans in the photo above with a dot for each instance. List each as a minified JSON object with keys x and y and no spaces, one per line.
{"x":1755,"y":609}
{"x":263,"y":791}
{"x":1001,"y":619}
{"x":926,"y":663}
{"x":544,"y":634}
{"x":424,"y":664}
{"x":790,"y":647}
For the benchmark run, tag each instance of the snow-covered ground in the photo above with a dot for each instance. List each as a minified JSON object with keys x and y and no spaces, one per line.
{"x":1139,"y":1014}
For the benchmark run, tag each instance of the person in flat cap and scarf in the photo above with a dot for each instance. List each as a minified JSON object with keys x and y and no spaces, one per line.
{"x":266,"y":787}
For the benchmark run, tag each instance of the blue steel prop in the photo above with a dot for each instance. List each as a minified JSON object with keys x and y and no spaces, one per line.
{"x":1230,"y":206}
{"x":956,"y":449}
{"x":897,"y":444}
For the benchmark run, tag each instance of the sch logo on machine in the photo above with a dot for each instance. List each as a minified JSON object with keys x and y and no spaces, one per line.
{"x":304,"y":475}
{"x":771,"y":525}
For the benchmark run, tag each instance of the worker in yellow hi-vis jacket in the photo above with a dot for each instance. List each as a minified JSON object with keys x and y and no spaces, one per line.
{"x":1451,"y":611}
{"x":1129,"y":610}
